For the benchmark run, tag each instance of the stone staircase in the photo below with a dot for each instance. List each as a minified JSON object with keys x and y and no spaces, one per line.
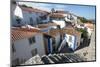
{"x":55,"y":59}
{"x":61,"y":58}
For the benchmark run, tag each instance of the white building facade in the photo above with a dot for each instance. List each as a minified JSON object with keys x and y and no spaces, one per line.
{"x":25,"y":48}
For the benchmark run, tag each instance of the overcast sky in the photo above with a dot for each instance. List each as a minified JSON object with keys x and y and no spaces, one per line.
{"x":80,"y":10}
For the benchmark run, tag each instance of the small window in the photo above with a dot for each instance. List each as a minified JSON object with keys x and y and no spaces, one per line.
{"x":31,"y":20}
{"x":13,"y":48}
{"x":34,"y":52}
{"x":70,"y":39}
{"x":18,"y":20}
{"x":32,"y":40}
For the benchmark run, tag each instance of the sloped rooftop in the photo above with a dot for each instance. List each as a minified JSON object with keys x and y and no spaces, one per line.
{"x":21,"y":33}
{"x":42,"y":26}
{"x":56,"y":15}
{"x":71,"y":31}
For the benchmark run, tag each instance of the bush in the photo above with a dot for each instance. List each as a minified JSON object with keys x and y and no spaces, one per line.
{"x":84,"y":33}
{"x":83,"y":20}
{"x":24,"y":5}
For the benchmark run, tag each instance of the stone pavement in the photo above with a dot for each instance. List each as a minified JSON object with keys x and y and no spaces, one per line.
{"x":88,"y":52}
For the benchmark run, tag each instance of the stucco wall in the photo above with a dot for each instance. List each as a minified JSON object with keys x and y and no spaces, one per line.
{"x":70,"y":44}
{"x":27,"y":16}
{"x":23,"y":48}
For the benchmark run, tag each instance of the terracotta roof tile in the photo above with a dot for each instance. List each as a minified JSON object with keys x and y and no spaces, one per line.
{"x":56,"y":15}
{"x":19,"y":33}
{"x":89,"y":25}
{"x":46,"y":25}
{"x":71,"y":31}
{"x":54,"y":32}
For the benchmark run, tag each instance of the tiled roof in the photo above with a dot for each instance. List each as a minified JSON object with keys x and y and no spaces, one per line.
{"x":89,"y":25}
{"x":71,"y":31}
{"x":54,"y":32}
{"x":32,"y":9}
{"x":46,"y":25}
{"x":21,"y":33}
{"x":61,"y":11}
{"x":56,"y":15}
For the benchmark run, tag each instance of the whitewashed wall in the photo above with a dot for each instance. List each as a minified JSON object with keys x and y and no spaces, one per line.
{"x":40,"y":44}
{"x":27,"y":16}
{"x":74,"y":43}
{"x":60,"y":22}
{"x":23,"y":48}
{"x":70,"y":44}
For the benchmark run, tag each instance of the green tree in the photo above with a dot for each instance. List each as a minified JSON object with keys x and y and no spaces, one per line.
{"x":84,"y":33}
{"x":24,"y":5}
{"x":83,"y":20}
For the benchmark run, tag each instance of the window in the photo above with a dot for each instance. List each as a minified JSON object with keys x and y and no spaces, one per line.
{"x":70,"y":39}
{"x":18,"y":20}
{"x":32,"y":40}
{"x":34,"y":52}
{"x":13,"y":48}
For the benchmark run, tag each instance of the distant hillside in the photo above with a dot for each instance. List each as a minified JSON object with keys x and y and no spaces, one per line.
{"x":92,"y":20}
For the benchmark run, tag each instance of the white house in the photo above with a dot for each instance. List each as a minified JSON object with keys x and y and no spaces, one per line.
{"x":72,"y":37}
{"x":29,"y":41}
{"x":57,"y":18}
{"x":68,"y":17}
{"x":30,"y":15}
{"x":62,"y":18}
{"x":52,"y":33}
{"x":26,"y":43}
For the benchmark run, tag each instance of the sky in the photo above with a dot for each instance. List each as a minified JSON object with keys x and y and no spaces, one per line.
{"x":80,"y":10}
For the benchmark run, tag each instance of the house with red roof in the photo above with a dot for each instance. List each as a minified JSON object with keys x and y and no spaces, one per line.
{"x":26,"y":43}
